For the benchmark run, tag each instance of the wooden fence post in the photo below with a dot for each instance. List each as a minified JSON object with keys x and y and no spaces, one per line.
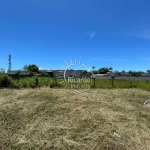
{"x":112,"y":81}
{"x":56,"y":79}
{"x":131,"y":83}
{"x":94,"y":81}
{"x":18,"y":78}
{"x":36,"y":81}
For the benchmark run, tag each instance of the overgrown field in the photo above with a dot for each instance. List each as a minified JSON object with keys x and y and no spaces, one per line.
{"x":33,"y":82}
{"x":44,"y":119}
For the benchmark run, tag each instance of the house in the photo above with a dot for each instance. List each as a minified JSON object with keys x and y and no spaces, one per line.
{"x":52,"y":73}
{"x":68,"y":73}
{"x":25,"y":73}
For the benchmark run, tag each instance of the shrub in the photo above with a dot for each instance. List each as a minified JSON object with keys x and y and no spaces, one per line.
{"x":5,"y":80}
{"x":24,"y":84}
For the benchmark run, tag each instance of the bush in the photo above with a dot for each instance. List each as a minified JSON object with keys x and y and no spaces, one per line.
{"x":24,"y":84}
{"x":5,"y":80}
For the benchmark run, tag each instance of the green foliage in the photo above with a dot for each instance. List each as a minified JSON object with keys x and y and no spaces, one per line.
{"x":32,"y":73}
{"x":93,"y":67}
{"x":2,"y":70}
{"x":41,"y":81}
{"x":136,"y":73}
{"x":100,"y":83}
{"x":32,"y":68}
{"x":33,"y":82}
{"x":18,"y":72}
{"x":84,"y":72}
{"x":104,"y":70}
{"x":25,"y":67}
{"x":5,"y":80}
{"x":110,"y":68}
{"x":43,"y":73}
{"x":94,"y":72}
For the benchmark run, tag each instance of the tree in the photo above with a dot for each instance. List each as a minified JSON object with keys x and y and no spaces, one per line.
{"x":94,"y":72}
{"x":2,"y":70}
{"x":93,"y":68}
{"x":110,"y":68}
{"x":33,"y":68}
{"x":84,"y":72}
{"x":25,"y":67}
{"x":103,"y":70}
{"x":135,"y":73}
{"x":139,"y":73}
{"x":5,"y":80}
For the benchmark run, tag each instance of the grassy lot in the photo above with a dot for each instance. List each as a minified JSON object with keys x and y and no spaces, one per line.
{"x":100,"y":83}
{"x":28,"y":82}
{"x":44,"y":119}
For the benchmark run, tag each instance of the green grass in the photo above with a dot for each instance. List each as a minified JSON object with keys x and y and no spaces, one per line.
{"x":28,"y":82}
{"x":122,"y":84}
{"x":44,"y":119}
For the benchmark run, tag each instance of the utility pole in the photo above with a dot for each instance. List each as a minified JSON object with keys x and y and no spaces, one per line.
{"x":9,"y":63}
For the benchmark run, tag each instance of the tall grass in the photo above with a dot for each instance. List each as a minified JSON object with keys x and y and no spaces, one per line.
{"x":27,"y":82}
{"x":123,"y":84}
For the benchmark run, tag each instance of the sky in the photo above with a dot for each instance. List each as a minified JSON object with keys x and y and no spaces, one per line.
{"x":56,"y":34}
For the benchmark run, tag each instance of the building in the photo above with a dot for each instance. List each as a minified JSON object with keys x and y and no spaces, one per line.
{"x":148,"y":72}
{"x":68,"y":73}
{"x":25,"y":73}
{"x":52,"y":73}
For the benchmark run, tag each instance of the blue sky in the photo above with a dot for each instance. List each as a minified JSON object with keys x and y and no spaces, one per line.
{"x":100,"y":33}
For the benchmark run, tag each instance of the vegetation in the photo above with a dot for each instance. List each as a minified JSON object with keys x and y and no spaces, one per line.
{"x":136,"y":73}
{"x":104,"y":70}
{"x":46,"y":119}
{"x":41,"y":81}
{"x":5,"y":80}
{"x":31,"y":69}
{"x":110,"y":116}
{"x":18,"y":72}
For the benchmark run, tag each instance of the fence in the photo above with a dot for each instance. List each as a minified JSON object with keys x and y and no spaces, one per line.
{"x":121,"y":81}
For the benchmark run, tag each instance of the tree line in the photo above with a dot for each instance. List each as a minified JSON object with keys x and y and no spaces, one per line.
{"x":33,"y":69}
{"x":105,"y":70}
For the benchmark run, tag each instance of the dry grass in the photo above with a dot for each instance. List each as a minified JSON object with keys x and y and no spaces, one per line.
{"x":45,"y":119}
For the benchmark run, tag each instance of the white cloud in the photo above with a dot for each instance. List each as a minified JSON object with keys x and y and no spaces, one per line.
{"x":144,"y":59}
{"x":145,"y":34}
{"x":40,"y":68}
{"x":91,"y":34}
{"x":115,"y":60}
